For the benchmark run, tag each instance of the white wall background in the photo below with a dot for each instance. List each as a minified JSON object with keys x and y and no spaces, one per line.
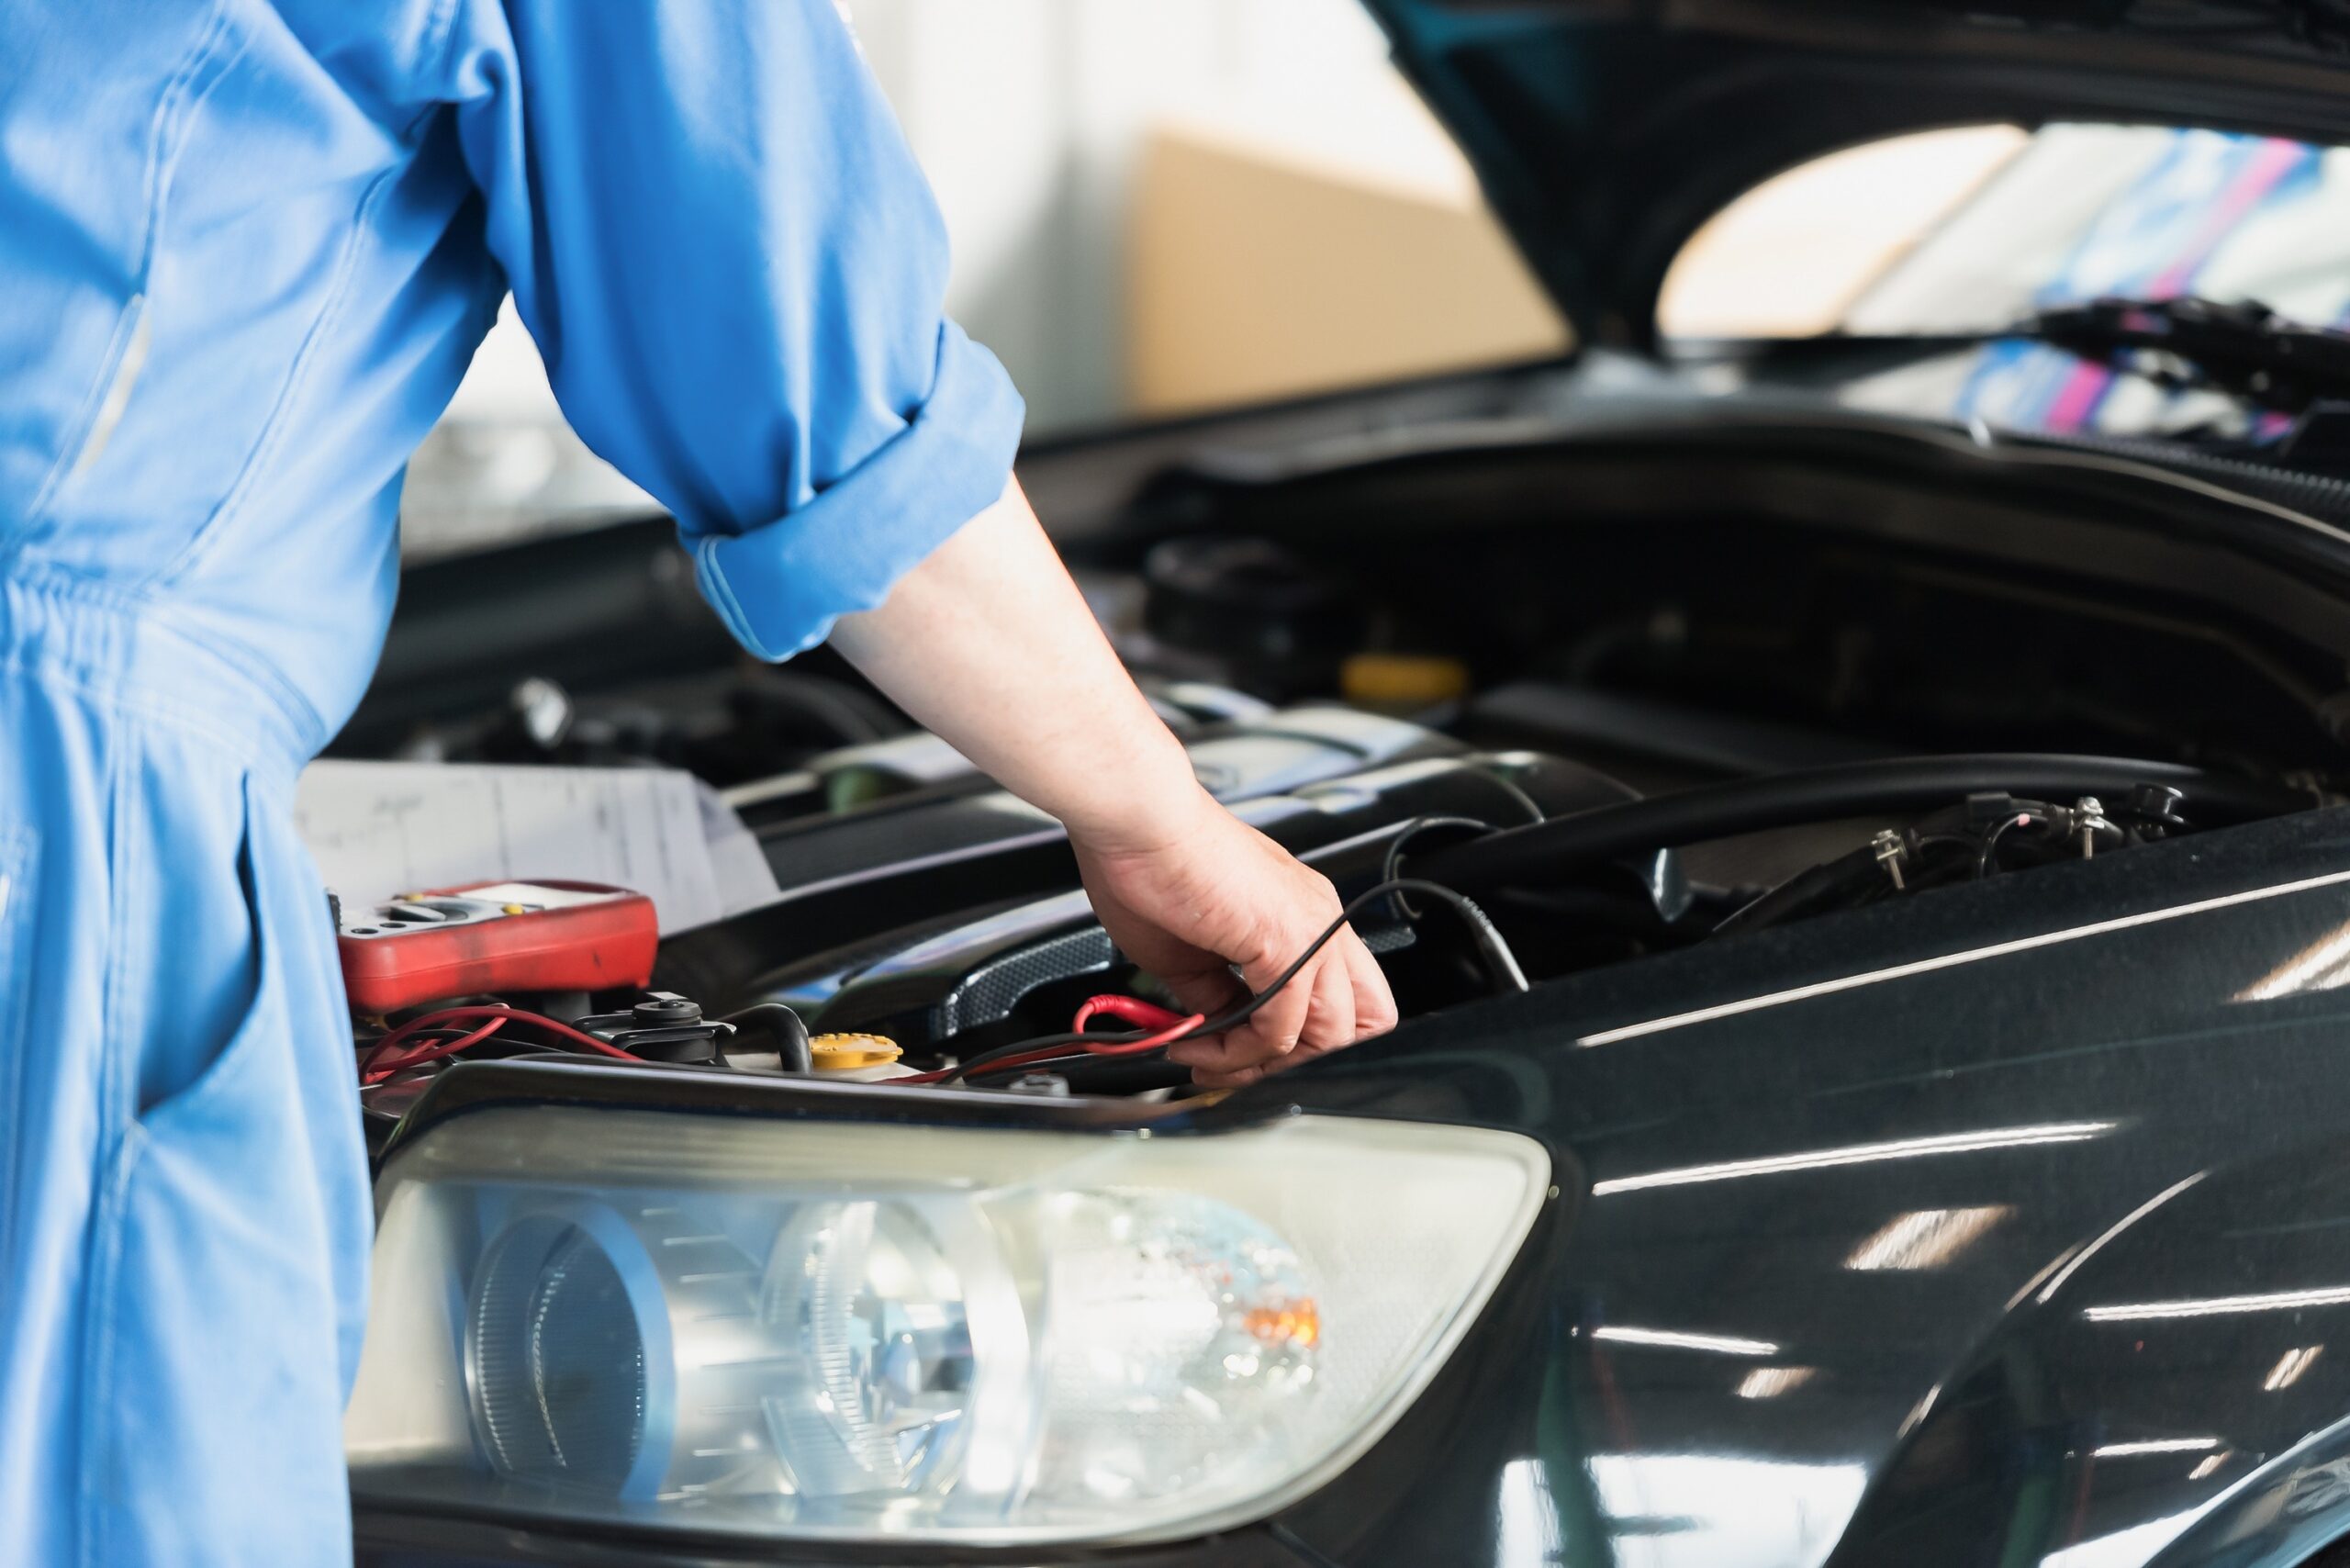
{"x":1027,"y":116}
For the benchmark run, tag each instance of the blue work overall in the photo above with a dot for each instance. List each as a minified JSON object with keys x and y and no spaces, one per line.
{"x":246,"y":250}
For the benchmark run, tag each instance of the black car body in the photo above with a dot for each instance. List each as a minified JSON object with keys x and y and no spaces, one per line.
{"x":2003,"y":1223}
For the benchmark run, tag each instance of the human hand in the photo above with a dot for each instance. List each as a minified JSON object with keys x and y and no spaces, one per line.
{"x":989,"y":645}
{"x":1200,"y":891}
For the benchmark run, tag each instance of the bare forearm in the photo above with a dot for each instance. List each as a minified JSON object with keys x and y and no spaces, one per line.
{"x":989,"y":645}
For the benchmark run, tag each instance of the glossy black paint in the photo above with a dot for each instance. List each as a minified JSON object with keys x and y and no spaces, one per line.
{"x":2082,"y":1040}
{"x":2108,"y":1085}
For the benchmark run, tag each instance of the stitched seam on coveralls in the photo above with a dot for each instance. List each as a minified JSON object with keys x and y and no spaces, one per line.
{"x":173,"y":110}
{"x":112,"y":698}
{"x":118,"y":1091}
{"x":110,"y":1220}
{"x":105,"y":689}
{"x":17,"y":874}
{"x":119,"y":386}
{"x":122,"y":1139}
{"x":438,"y":36}
{"x":281,"y":413}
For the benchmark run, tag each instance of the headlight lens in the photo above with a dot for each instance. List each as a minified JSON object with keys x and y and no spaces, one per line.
{"x":994,"y":1336}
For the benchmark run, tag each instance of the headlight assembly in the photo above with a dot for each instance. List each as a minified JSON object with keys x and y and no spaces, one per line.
{"x":842,"y":1330}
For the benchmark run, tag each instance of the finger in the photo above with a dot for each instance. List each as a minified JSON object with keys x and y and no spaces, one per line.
{"x":1226,"y":1052}
{"x":1370,"y":1008}
{"x":1239,"y":1078}
{"x":1207,"y":991}
{"x":1298,"y":1058}
{"x":1312,"y":1012}
{"x":1282,"y":1017}
{"x":1375,"y":1000}
{"x":1330,"y":1017}
{"x":1210,"y":1054}
{"x":1244,"y":1056}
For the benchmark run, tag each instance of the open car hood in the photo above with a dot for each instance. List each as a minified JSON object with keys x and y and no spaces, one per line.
{"x":1606,"y":131}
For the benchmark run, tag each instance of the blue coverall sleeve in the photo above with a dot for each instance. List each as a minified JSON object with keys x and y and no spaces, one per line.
{"x":715,"y":230}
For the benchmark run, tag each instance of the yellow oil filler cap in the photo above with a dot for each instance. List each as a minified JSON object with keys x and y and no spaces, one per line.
{"x":842,"y":1053}
{"x":1402,"y":682}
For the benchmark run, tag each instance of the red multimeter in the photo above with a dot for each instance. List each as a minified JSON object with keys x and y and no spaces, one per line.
{"x":496,"y":937}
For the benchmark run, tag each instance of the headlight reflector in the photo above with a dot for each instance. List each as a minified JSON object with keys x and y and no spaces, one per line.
{"x":556,"y":1351}
{"x":875,"y":1319}
{"x":996,"y":1336}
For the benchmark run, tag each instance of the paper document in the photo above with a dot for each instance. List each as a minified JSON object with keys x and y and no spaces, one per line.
{"x":381,"y":828}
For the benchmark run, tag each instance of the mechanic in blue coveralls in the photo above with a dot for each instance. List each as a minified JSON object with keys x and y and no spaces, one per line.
{"x":246,"y":250}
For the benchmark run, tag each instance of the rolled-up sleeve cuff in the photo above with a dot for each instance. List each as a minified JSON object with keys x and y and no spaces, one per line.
{"x":780,"y":587}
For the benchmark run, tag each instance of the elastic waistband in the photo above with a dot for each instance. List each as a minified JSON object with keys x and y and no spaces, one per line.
{"x":133,"y":656}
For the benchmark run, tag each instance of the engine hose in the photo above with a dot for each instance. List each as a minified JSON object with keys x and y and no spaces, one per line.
{"x":791,"y":1035}
{"x":1544,"y":852}
{"x":1846,"y":879}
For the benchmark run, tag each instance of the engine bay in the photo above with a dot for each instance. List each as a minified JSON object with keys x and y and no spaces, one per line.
{"x":1598,"y":737}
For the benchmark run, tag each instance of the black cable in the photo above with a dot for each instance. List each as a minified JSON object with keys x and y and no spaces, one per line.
{"x":1546,"y":851}
{"x":1487,"y":934}
{"x":791,"y":1049}
{"x":1390,"y":864}
{"x":980,"y":1062}
{"x":1988,"y":854}
{"x":1499,"y":959}
{"x":977,"y":1066}
{"x":1418,"y":826}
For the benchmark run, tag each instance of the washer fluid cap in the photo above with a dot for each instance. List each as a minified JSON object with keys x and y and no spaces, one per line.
{"x":839,"y":1053}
